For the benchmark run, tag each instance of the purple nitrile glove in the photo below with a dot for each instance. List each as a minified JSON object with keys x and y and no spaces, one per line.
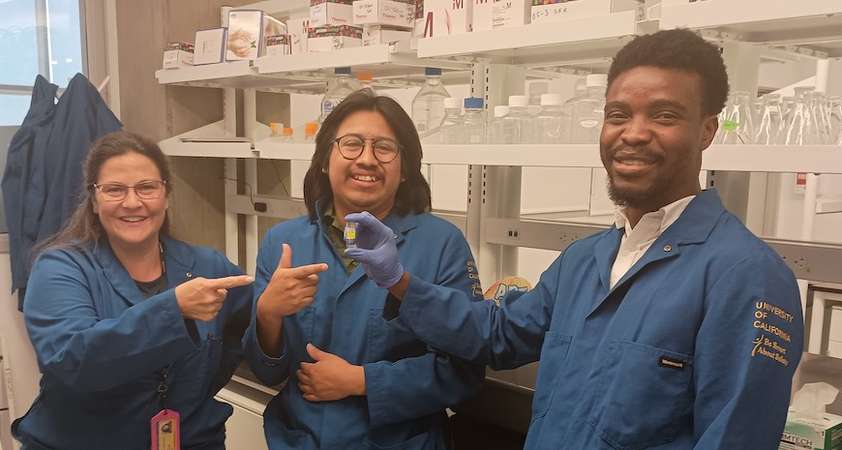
{"x":376,"y":249}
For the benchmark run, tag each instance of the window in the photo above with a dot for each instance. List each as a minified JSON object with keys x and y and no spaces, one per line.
{"x":36,"y":36}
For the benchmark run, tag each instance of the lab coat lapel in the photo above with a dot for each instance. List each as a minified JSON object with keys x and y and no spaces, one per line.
{"x":694,"y":226}
{"x":178,"y":258}
{"x":116,"y":274}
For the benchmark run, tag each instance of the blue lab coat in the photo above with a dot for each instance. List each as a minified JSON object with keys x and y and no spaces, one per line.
{"x":408,"y":385}
{"x":694,"y":348}
{"x":44,"y":189}
{"x":33,"y":133}
{"x":101,"y":345}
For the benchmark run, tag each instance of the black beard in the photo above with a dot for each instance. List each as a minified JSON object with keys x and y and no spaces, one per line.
{"x":627,"y":199}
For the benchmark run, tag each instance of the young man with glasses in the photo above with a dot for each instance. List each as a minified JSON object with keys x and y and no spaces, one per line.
{"x":354,"y":382}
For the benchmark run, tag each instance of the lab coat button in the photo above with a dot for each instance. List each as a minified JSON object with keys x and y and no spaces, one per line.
{"x":668,"y":248}
{"x":188,"y":275}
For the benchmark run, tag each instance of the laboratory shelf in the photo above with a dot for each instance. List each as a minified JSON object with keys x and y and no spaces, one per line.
{"x":274,"y":148}
{"x":814,"y":23}
{"x":391,"y":65}
{"x":235,"y":74}
{"x":738,"y":158}
{"x":536,"y":44}
{"x":172,"y":147}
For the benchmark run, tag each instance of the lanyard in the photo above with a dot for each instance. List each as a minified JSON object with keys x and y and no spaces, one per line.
{"x":163,"y":387}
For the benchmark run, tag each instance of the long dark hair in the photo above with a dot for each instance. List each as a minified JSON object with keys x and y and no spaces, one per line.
{"x":83,"y":228}
{"x":413,"y":194}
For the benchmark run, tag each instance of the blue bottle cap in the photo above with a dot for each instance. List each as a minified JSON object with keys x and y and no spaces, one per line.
{"x":342,"y":71}
{"x":432,"y":71}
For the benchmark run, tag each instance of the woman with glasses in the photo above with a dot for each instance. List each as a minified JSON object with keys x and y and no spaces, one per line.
{"x":353,"y":381}
{"x":134,"y":330}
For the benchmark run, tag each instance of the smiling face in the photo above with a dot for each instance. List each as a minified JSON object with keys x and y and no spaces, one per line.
{"x":364,"y":183}
{"x":130,"y":222}
{"x":653,"y":136}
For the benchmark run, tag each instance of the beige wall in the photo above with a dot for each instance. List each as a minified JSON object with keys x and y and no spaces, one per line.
{"x":144,"y":28}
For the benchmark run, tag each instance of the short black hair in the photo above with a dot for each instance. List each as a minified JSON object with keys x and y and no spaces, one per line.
{"x":413,"y":193}
{"x":678,"y":49}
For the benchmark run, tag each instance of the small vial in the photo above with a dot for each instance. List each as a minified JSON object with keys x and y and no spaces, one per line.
{"x":350,"y":234}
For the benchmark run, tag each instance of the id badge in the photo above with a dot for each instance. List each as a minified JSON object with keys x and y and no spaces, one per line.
{"x":166,"y":430}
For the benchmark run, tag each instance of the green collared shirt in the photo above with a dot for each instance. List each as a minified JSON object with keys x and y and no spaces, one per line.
{"x":336,"y":234}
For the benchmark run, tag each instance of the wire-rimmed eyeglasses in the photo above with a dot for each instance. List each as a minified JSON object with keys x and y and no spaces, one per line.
{"x":145,"y":190}
{"x":351,"y":146}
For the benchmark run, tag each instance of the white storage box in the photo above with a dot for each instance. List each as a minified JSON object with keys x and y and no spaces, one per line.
{"x":483,"y":15}
{"x":330,"y":38}
{"x":272,"y":27}
{"x":382,"y":34}
{"x":569,"y":10}
{"x":298,"y":30}
{"x":178,"y":54}
{"x":512,"y":13}
{"x":209,"y":47}
{"x":331,"y":12}
{"x":396,"y":13}
{"x":443,"y":17}
{"x":245,"y":34}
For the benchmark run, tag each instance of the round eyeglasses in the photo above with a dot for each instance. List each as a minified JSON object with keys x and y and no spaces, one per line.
{"x":145,"y":190}
{"x":351,"y":146}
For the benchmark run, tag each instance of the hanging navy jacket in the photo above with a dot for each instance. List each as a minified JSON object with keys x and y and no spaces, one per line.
{"x":81,"y":117}
{"x":46,"y":175}
{"x":33,"y":132}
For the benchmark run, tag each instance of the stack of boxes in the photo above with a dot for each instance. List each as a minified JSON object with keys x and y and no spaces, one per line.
{"x":331,"y":26}
{"x":385,"y":21}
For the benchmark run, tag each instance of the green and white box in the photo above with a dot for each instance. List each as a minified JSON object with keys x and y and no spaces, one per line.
{"x":820,"y":432}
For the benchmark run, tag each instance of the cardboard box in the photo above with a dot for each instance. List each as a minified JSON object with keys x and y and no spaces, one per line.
{"x":177,"y":55}
{"x":561,"y":10}
{"x":444,"y":17}
{"x":483,"y":17}
{"x":382,"y":34}
{"x":330,"y":38}
{"x":209,"y":47}
{"x":272,"y":27}
{"x":512,"y":13}
{"x":396,"y":13}
{"x":299,"y":30}
{"x":331,"y":13}
{"x":277,"y":45}
{"x":245,"y":34}
{"x":812,"y":433}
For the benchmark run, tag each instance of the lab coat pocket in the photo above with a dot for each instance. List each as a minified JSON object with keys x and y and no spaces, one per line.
{"x":648,"y":396}
{"x":553,"y":354}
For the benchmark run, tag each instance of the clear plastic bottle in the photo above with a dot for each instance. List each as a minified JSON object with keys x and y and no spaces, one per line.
{"x":835,"y":117}
{"x":428,"y":104}
{"x":495,"y":127}
{"x":474,"y":121}
{"x":342,"y":86}
{"x":518,"y":123}
{"x":736,"y":125}
{"x":536,"y":90}
{"x":287,"y":137}
{"x":550,"y":120}
{"x":580,"y":91}
{"x":587,"y":112}
{"x":450,"y":131}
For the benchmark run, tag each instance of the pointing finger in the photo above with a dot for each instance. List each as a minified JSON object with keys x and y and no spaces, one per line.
{"x":230,"y":282}
{"x":306,"y":271}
